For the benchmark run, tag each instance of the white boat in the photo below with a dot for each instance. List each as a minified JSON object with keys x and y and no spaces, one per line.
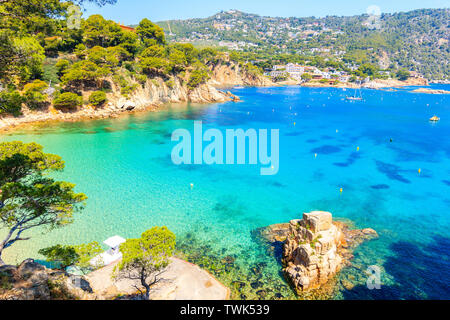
{"x":110,"y":255}
{"x":355,"y":96}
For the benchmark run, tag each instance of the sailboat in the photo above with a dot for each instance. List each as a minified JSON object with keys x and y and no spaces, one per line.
{"x":355,"y":97}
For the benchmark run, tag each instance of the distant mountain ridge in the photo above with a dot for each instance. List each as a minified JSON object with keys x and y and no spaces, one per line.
{"x":417,"y":40}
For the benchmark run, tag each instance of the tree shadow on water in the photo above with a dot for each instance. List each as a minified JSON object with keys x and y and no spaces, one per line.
{"x":418,"y":273}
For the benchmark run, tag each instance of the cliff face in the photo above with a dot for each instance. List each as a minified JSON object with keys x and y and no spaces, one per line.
{"x":231,"y":74}
{"x":156,"y":91}
{"x":146,"y":97}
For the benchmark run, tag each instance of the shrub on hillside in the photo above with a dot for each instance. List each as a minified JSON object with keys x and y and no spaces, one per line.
{"x":34,"y":96}
{"x":97,"y":98}
{"x":10,"y":102}
{"x":67,"y":101}
{"x":199,"y":75}
{"x":62,"y":66}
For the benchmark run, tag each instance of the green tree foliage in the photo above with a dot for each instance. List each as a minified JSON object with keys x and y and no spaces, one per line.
{"x":84,"y":73}
{"x":154,"y":65}
{"x":97,"y":98}
{"x":150,"y":33}
{"x":199,"y":75}
{"x":10,"y":102}
{"x":306,"y":76}
{"x":64,"y":256}
{"x":34,"y":96}
{"x":80,"y":51}
{"x":32,"y":200}
{"x":97,"y":31}
{"x":67,"y":101}
{"x":177,"y":60}
{"x":67,"y":255}
{"x":62,"y":66}
{"x":130,"y":42}
{"x":403,"y":74}
{"x":86,"y":252}
{"x":367,"y":69}
{"x":145,"y":259}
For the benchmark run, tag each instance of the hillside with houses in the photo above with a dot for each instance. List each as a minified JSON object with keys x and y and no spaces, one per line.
{"x":415,"y":40}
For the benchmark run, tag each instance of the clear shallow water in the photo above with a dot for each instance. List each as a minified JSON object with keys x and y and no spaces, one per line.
{"x":124,"y":167}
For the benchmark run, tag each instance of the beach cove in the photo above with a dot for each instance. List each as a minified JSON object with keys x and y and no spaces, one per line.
{"x":124,"y":167}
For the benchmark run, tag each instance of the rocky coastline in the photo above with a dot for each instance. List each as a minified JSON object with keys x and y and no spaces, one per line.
{"x":149,"y":96}
{"x":431,"y":91}
{"x":153,"y":94}
{"x":33,"y":281}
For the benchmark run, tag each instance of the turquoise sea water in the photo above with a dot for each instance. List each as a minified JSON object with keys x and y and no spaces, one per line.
{"x":124,"y":167}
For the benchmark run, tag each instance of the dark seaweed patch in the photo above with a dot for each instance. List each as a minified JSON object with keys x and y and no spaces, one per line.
{"x":326,"y":149}
{"x":391,"y":171}
{"x":380,"y":186}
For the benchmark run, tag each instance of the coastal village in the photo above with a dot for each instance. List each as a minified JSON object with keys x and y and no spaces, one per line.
{"x":327,"y":76}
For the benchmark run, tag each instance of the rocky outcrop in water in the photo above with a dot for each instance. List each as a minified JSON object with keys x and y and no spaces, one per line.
{"x":315,"y":248}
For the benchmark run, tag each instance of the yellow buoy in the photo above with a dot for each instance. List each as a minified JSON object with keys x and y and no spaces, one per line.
{"x":357,"y":148}
{"x":341,"y":190}
{"x":419,"y":170}
{"x":294,"y":123}
{"x":192,"y":185}
{"x":315,"y":155}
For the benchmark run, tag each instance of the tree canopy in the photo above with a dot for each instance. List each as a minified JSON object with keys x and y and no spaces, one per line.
{"x":145,"y":259}
{"x":30,"y":199}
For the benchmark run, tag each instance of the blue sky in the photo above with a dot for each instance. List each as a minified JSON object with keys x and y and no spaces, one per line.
{"x":132,"y":11}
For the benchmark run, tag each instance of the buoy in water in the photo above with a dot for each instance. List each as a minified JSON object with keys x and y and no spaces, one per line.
{"x":192,"y":186}
{"x":315,"y":155}
{"x":337,"y":130}
{"x":419,"y":170}
{"x":357,"y":148}
{"x":341,"y":190}
{"x":294,"y":123}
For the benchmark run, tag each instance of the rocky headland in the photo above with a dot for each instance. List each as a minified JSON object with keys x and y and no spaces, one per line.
{"x":431,"y":91}
{"x":149,"y":96}
{"x":315,"y":248}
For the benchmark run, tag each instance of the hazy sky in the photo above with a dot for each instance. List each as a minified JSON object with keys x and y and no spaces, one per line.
{"x":132,"y":11}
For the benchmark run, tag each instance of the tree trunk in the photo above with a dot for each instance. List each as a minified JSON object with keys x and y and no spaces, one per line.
{"x":147,"y":292}
{"x":145,"y":285}
{"x":2,"y":263}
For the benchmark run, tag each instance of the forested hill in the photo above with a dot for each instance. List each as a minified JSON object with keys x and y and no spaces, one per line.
{"x":416,"y":40}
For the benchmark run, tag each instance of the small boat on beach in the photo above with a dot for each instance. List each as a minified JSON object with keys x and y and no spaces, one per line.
{"x":435,"y":119}
{"x":238,"y":87}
